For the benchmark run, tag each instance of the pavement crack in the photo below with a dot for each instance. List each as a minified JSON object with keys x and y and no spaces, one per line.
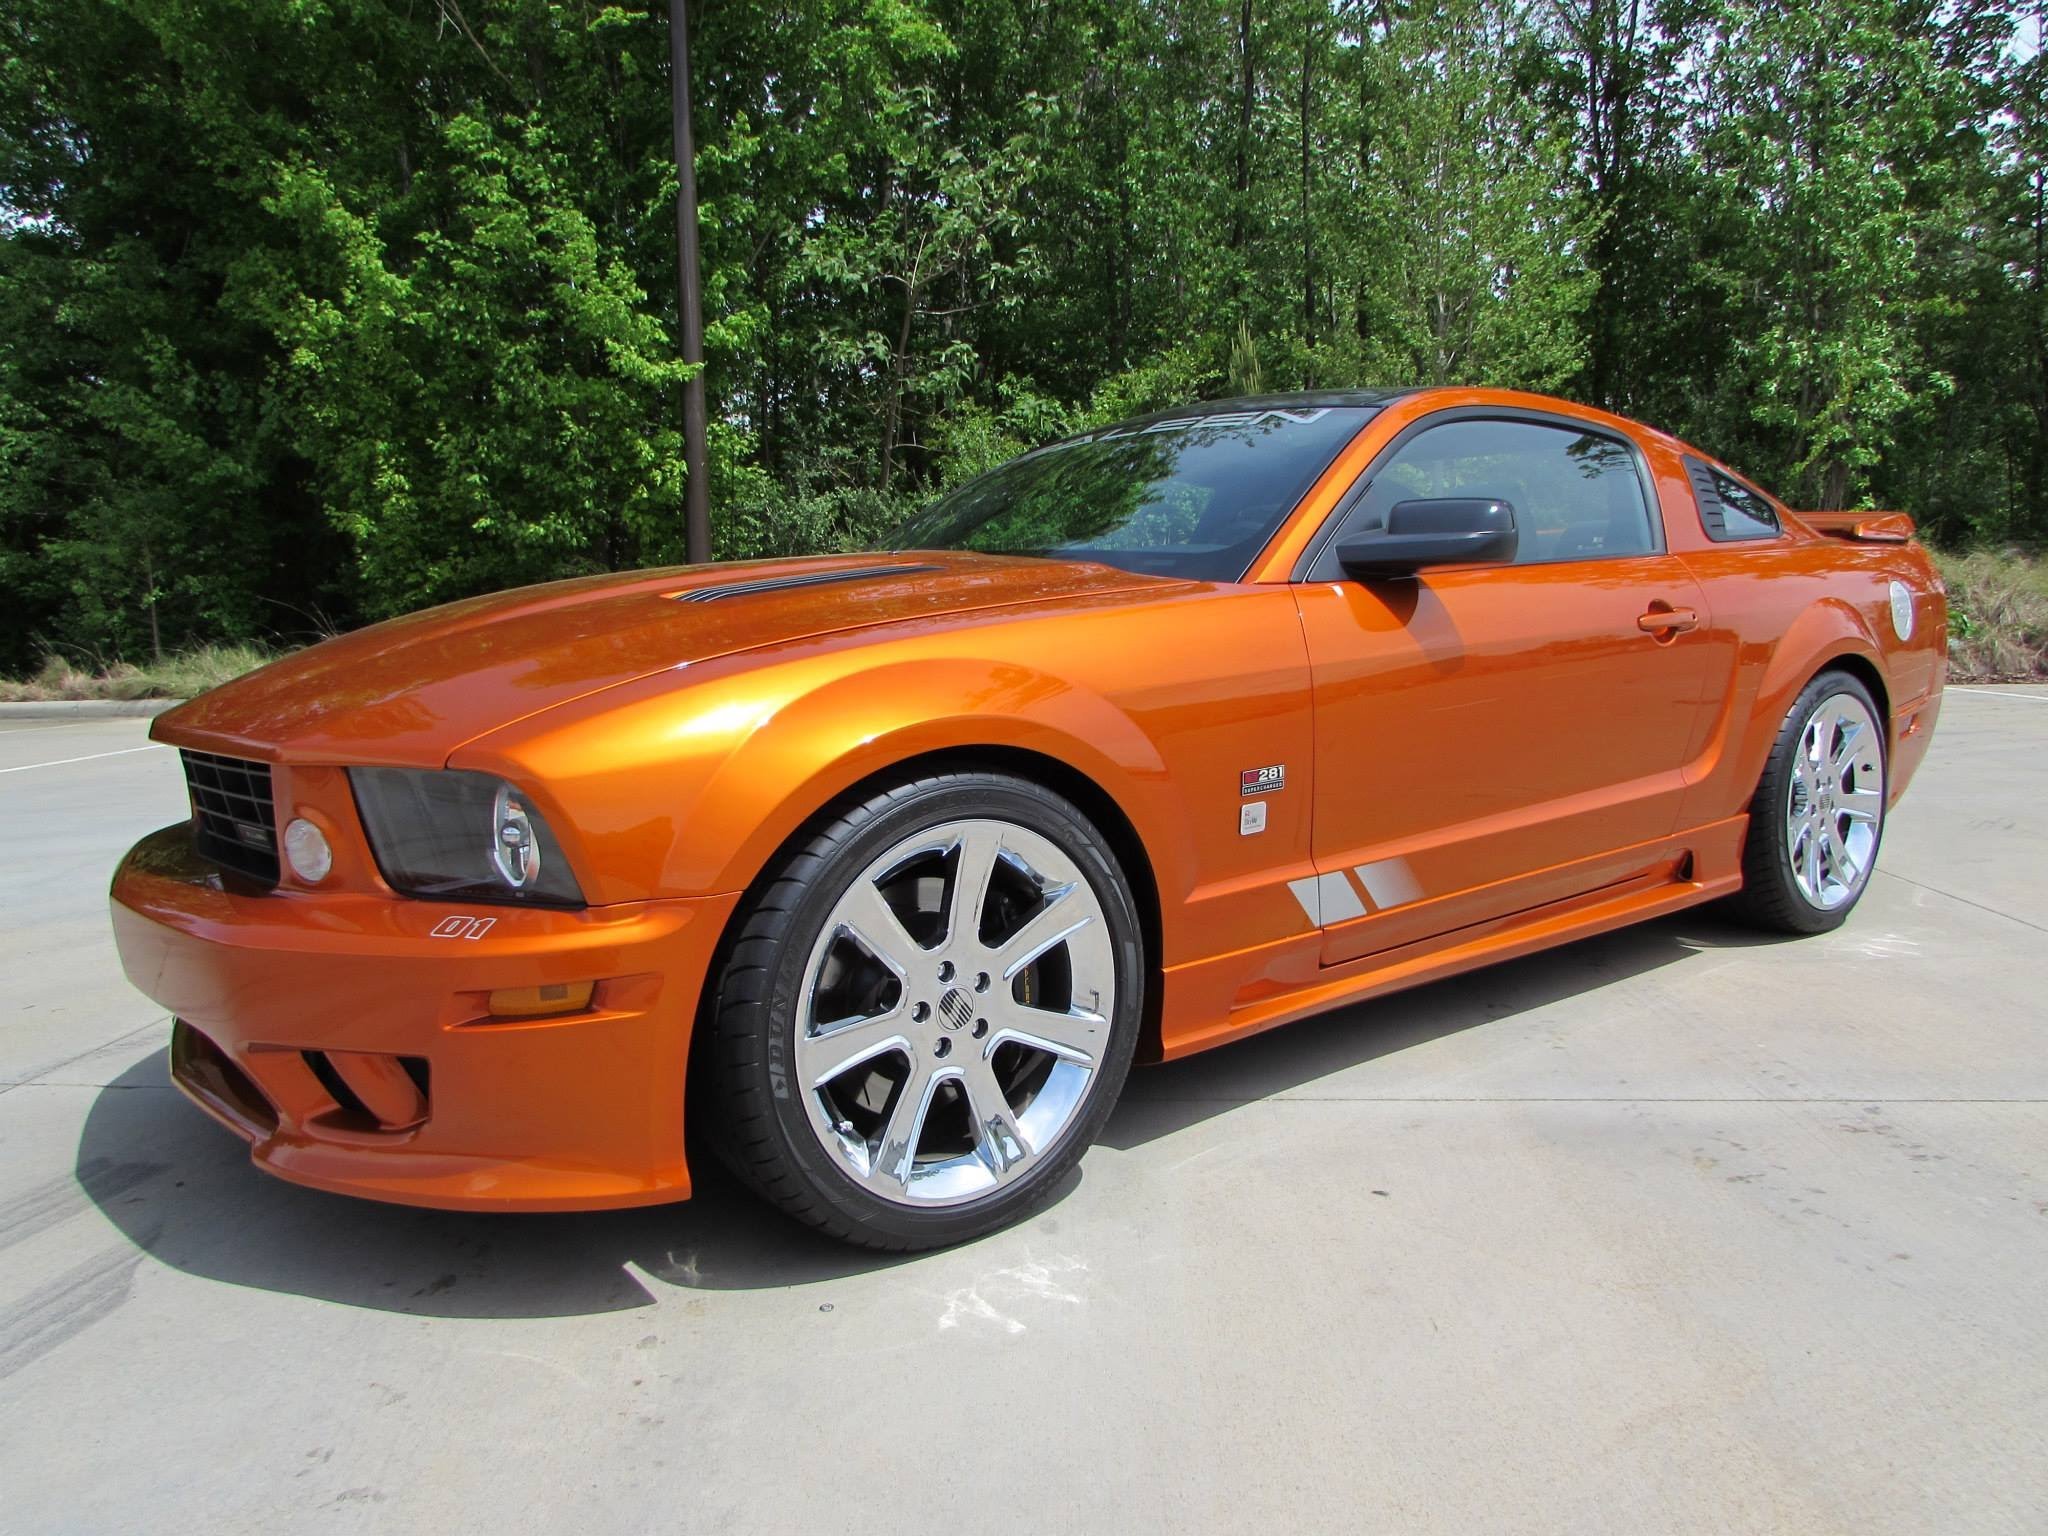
{"x":1626,"y":1098}
{"x":35,"y":1079}
{"x":46,"y":1081}
{"x":1935,"y":890}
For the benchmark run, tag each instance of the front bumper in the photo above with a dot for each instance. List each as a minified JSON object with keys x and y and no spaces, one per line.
{"x":346,"y":1037}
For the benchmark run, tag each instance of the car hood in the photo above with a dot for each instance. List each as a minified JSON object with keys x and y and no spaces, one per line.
{"x":411,"y":691}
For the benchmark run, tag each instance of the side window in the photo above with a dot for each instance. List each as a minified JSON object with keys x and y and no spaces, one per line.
{"x":1745,"y":514}
{"x":1577,"y":495}
{"x":1728,"y":508}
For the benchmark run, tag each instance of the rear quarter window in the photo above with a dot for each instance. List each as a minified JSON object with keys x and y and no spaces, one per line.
{"x":1729,"y":510}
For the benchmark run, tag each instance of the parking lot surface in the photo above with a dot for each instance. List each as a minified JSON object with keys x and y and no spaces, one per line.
{"x":1680,"y":1229}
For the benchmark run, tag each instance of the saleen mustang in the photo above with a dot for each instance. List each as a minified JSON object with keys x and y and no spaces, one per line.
{"x":879,"y":870}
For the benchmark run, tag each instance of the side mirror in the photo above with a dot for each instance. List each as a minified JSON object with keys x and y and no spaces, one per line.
{"x":1452,"y":530}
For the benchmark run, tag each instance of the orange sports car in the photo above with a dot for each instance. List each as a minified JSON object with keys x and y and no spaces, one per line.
{"x":878,"y":871}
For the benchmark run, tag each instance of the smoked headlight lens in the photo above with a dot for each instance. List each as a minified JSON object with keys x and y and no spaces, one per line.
{"x":460,"y":836}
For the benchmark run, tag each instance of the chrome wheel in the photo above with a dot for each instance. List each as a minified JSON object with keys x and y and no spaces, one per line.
{"x":1834,"y":806}
{"x":954,"y":1013}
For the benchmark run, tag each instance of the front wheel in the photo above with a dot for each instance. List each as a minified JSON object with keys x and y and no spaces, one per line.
{"x":1818,"y":815}
{"x":927,"y":1013}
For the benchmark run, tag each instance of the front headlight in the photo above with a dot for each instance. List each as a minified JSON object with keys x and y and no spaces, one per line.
{"x":464,"y":836}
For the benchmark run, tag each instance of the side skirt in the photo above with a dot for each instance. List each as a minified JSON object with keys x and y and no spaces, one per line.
{"x":1704,"y":865}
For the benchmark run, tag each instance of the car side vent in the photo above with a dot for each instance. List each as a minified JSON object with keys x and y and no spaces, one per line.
{"x":811,"y":579}
{"x":1709,"y":499}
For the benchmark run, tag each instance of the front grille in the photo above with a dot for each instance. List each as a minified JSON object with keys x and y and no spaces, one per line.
{"x":234,"y":821}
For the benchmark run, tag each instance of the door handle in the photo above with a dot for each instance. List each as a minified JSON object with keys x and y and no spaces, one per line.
{"x":1666,"y":622}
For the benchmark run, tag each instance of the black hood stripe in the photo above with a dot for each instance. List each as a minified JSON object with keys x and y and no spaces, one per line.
{"x":809,"y":579}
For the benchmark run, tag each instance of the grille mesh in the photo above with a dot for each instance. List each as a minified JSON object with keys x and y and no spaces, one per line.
{"x":234,"y":821}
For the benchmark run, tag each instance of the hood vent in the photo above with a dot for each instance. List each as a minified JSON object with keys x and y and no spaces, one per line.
{"x":809,"y":579}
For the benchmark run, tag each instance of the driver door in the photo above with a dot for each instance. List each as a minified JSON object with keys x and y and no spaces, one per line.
{"x":1490,"y":739}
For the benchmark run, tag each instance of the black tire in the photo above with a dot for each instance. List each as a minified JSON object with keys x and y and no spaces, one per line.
{"x":741,"y":1091}
{"x":1771,"y":898}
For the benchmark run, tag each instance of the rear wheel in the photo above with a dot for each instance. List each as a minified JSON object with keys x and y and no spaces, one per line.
{"x":1818,"y":815}
{"x":927,"y":1013}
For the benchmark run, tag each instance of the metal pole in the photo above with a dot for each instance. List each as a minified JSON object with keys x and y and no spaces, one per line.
{"x":689,"y":291}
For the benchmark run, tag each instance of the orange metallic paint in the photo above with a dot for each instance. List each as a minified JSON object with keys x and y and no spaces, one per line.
{"x":554,"y":1114}
{"x":1542,"y":768}
{"x":1454,"y":732}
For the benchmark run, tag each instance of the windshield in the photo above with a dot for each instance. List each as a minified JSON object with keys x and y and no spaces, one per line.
{"x":1196,"y":496}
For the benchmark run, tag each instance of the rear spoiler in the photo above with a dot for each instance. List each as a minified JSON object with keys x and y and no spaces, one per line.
{"x":1861,"y":527}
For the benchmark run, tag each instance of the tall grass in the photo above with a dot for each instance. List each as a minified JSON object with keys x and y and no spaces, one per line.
{"x":1997,"y":616}
{"x":178,"y":676}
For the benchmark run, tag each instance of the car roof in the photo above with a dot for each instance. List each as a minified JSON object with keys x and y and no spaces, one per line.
{"x":1294,"y":400}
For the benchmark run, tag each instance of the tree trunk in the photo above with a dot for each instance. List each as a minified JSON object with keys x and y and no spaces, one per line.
{"x":1308,"y":228}
{"x":1120,"y":259}
{"x":2036,"y":471}
{"x":156,"y":636}
{"x":689,"y":295}
{"x":1240,"y":217}
{"x":899,"y":368}
{"x":1834,"y":487}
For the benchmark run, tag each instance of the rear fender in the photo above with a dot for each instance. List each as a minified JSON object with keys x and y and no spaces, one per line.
{"x":1825,"y":634}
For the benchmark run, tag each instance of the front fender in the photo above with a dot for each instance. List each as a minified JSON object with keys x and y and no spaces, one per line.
{"x":686,"y":785}
{"x":818,"y":745}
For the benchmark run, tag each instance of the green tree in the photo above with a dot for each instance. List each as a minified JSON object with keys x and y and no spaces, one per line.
{"x":1472,"y":261}
{"x":1828,"y":129}
{"x":313,"y":315}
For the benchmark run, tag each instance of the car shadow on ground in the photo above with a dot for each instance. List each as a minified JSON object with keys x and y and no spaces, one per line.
{"x":183,"y":1190}
{"x":1164,"y":1099}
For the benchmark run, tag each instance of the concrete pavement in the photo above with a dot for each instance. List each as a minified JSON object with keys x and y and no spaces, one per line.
{"x":1676,"y":1230}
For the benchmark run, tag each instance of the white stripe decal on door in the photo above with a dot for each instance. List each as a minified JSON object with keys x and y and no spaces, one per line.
{"x":1390,"y":883}
{"x":1327,"y":899}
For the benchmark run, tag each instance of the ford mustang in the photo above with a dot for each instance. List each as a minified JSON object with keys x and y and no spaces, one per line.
{"x":878,"y":871}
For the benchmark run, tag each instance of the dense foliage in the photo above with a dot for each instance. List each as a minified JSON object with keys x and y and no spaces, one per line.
{"x":313,"y":311}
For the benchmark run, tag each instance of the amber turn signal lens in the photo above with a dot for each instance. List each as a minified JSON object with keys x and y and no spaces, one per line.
{"x":539,"y":1002}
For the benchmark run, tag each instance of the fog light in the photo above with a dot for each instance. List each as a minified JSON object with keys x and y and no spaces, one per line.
{"x":539,"y":1002}
{"x":306,"y":850}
